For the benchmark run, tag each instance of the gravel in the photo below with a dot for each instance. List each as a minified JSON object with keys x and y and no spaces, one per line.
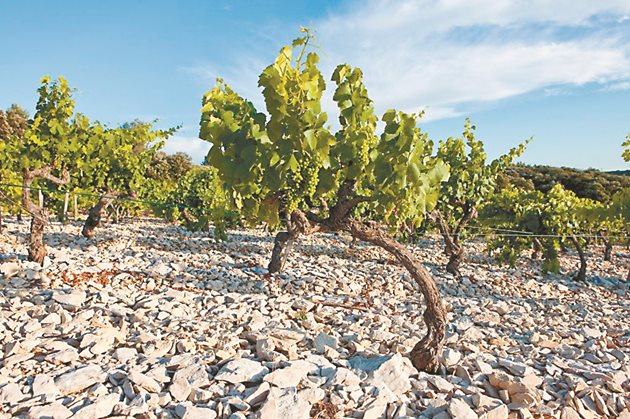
{"x":150,"y":320}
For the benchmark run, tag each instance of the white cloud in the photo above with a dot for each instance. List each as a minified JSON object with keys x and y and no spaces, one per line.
{"x":434,"y":113}
{"x":445,"y":56}
{"x":411,"y":59}
{"x":196,"y":148}
{"x":374,"y":18}
{"x":623,"y":85}
{"x":556,"y":91}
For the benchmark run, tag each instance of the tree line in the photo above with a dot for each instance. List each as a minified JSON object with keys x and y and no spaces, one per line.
{"x":592,"y":184}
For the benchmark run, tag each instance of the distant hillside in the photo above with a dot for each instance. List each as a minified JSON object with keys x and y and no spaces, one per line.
{"x":591,"y":183}
{"x":619,"y":172}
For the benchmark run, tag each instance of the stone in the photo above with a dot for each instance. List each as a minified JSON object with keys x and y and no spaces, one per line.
{"x":499,"y":412}
{"x":323,"y":341}
{"x":515,"y":367}
{"x":101,"y":408}
{"x":451,"y":357}
{"x":291,"y":375}
{"x":238,"y":404}
{"x":285,"y":404}
{"x":10,"y":393}
{"x":619,"y":355}
{"x":199,"y":395}
{"x":482,"y":401}
{"x":63,"y":357}
{"x":367,"y":364}
{"x":441,"y":384}
{"x":242,"y":370}
{"x":591,"y":332}
{"x":516,"y":389}
{"x":43,"y":384}
{"x":524,"y":398}
{"x":459,"y":409}
{"x":265,"y":351}
{"x":376,"y":409}
{"x":198,"y":412}
{"x":562,"y":345}
{"x":344,"y":377}
{"x":144,"y":381}
{"x":125,"y":354}
{"x":180,"y":389}
{"x":484,"y":367}
{"x":600,"y":404}
{"x":312,"y":394}
{"x":10,"y":269}
{"x":15,"y":360}
{"x":80,"y":379}
{"x":569,"y":413}
{"x":548,"y":343}
{"x":52,"y":318}
{"x":289,"y":336}
{"x":196,"y":375}
{"x":501,"y":380}
{"x":505,"y":396}
{"x":73,"y":299}
{"x":462,"y":372}
{"x":258,"y":395}
{"x":50,"y":411}
{"x":394,"y":374}
{"x":164,"y":399}
{"x":501,"y":308}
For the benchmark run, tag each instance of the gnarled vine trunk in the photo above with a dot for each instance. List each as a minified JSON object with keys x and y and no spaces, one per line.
{"x":455,"y":260}
{"x":453,"y":248}
{"x":36,"y":249}
{"x":608,"y":247}
{"x":426,"y":353}
{"x":95,"y":215}
{"x":297,"y":225}
{"x":563,"y":246}
{"x":117,"y":214}
{"x":581,"y":274}
{"x":282,"y":245}
{"x":537,"y":249}
{"x":188,"y":218}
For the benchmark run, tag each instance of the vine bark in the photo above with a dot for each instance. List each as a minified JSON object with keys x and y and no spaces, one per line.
{"x":95,"y":214}
{"x":36,"y":249}
{"x":608,"y":246}
{"x":581,"y":273}
{"x":426,"y":353}
{"x":453,"y":247}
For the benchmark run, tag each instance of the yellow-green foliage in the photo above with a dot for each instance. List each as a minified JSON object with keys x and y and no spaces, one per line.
{"x":551,"y":218}
{"x":290,"y":160}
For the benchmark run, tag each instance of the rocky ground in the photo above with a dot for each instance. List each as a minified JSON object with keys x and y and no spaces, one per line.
{"x":149,"y":320}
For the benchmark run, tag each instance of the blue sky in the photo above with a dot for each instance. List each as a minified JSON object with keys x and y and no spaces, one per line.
{"x":557,"y":70}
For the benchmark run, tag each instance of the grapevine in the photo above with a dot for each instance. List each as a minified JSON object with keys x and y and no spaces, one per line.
{"x":290,"y":169}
